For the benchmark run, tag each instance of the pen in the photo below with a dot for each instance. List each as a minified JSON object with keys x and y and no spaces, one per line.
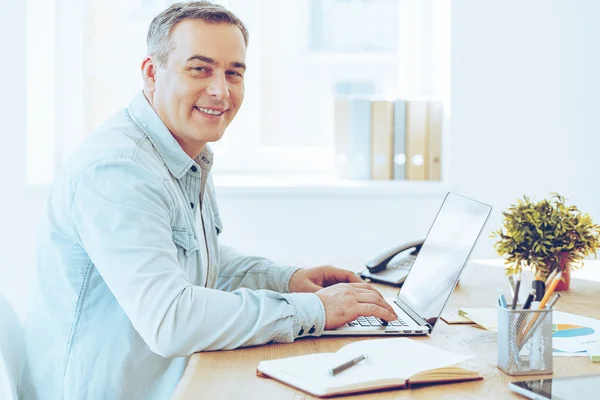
{"x":553,"y":301}
{"x":511,"y":280}
{"x":501,"y":299}
{"x":540,"y":289}
{"x":347,"y":365}
{"x":516,"y":295}
{"x":529,"y":300}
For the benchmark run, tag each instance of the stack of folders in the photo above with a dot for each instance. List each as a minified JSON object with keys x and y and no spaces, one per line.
{"x":382,"y":139}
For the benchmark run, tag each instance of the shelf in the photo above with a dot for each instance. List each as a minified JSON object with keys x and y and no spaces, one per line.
{"x":304,"y":186}
{"x":318,"y":186}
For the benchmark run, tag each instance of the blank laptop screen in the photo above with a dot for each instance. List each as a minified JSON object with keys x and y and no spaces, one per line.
{"x":445,"y":252}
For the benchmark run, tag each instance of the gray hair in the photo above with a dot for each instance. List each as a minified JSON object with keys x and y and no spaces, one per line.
{"x":159,"y":33}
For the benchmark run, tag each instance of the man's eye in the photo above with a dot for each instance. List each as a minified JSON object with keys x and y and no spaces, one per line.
{"x":234,"y":73}
{"x":199,"y":69}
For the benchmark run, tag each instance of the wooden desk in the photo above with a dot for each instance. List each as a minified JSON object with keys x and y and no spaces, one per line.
{"x":231,"y":374}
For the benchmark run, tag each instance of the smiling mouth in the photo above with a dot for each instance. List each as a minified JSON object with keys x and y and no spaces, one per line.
{"x":210,"y":111}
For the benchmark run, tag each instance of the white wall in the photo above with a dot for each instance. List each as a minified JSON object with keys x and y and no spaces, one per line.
{"x":333,"y":229}
{"x":308,"y":230}
{"x":523,"y":104}
{"x":17,"y":213}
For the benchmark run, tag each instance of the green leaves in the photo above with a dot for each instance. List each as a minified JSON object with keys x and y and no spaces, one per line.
{"x":536,"y":233}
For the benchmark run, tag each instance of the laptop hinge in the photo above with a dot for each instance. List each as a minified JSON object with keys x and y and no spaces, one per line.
{"x":420,"y":321}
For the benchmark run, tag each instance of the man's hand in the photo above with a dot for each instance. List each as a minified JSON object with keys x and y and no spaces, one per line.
{"x":345,"y":302}
{"x":313,"y":279}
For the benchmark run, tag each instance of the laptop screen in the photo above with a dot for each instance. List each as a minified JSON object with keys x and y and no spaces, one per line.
{"x":445,"y":252}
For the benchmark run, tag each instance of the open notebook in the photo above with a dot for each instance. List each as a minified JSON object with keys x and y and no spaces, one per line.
{"x":391,"y":363}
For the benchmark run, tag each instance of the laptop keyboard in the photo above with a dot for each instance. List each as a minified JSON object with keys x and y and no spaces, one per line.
{"x":373,"y":321}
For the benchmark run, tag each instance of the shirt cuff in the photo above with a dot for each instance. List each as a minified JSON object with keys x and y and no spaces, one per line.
{"x":309,"y":314}
{"x":279,"y":278}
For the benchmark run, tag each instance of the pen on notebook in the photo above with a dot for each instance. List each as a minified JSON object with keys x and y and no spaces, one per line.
{"x":516,"y":294}
{"x":501,"y":299}
{"x":529,"y":300}
{"x":347,"y":365}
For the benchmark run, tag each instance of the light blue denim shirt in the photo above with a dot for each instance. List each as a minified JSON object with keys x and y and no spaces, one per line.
{"x":131,"y":277}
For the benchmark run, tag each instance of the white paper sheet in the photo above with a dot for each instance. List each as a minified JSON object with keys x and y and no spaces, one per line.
{"x":573,"y":333}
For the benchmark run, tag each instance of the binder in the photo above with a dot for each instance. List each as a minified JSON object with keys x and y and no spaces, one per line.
{"x":399,"y":152}
{"x":382,"y":139}
{"x":436,"y":120}
{"x":416,"y":140}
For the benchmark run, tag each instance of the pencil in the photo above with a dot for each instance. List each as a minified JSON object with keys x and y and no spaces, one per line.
{"x":550,"y":290}
{"x":543,"y":302}
{"x":551,"y":276}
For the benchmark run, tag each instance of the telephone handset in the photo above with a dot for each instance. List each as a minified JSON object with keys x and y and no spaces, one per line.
{"x":392,"y":266}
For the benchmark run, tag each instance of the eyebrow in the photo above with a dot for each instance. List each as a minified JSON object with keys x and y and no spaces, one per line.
{"x":211,"y":61}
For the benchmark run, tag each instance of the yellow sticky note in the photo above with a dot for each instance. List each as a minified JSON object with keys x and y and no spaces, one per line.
{"x":486,"y":318}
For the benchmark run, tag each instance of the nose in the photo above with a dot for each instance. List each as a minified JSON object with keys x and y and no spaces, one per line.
{"x":217,"y":87}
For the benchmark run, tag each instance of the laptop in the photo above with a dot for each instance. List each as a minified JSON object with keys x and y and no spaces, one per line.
{"x":434,"y":273}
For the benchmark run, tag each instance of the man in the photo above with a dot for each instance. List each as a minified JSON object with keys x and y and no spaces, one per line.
{"x":131,"y":276}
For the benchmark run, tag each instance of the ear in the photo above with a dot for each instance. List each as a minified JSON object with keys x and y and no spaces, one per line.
{"x":149,"y":70}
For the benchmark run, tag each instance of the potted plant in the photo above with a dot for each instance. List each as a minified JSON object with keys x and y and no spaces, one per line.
{"x":546,"y":235}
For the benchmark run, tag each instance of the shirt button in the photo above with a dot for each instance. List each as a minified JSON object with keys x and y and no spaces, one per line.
{"x":301,"y":331}
{"x":311,"y":330}
{"x":194,"y":169}
{"x":192,"y":205}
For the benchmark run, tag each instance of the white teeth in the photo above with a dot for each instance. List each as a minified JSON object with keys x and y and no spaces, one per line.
{"x":208,"y":111}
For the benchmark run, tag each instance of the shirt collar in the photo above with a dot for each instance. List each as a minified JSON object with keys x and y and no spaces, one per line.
{"x":176,"y":160}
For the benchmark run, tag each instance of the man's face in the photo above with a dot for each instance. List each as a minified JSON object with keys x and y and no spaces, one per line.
{"x":200,"y":89}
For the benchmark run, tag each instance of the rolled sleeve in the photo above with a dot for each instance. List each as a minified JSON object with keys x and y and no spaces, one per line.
{"x":280,"y":276}
{"x":238,"y":270}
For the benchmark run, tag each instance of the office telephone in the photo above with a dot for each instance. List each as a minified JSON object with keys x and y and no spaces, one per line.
{"x":392,"y":266}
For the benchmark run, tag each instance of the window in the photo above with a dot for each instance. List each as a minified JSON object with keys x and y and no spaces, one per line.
{"x":301,"y":55}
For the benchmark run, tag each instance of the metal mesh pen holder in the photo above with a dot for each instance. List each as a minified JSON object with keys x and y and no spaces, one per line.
{"x":525,"y":341}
